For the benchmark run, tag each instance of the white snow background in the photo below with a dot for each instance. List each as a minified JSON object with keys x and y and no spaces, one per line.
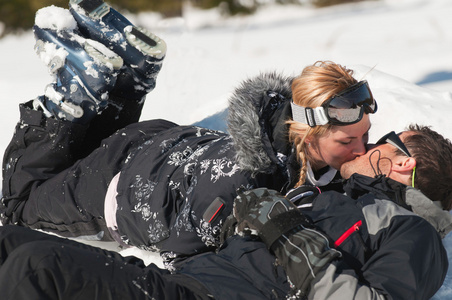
{"x":402,"y":47}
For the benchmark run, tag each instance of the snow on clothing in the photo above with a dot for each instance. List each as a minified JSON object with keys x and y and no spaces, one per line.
{"x":395,"y":254}
{"x":176,"y":184}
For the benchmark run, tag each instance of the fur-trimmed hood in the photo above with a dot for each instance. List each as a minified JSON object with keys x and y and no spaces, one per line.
{"x":258,"y":109}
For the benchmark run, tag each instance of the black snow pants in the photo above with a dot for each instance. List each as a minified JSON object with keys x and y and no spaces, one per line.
{"x":56,"y":173}
{"x":39,"y":266}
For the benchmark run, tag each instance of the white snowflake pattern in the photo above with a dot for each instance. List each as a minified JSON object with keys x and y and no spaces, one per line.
{"x":168,"y":260}
{"x":144,"y":209}
{"x":193,"y":184}
{"x":200,"y":131}
{"x":145,"y":144}
{"x":166,"y":145}
{"x":282,"y":158}
{"x":179,"y":157}
{"x":189,"y":169}
{"x":225,"y":148}
{"x":219,"y":166}
{"x":205,"y":165}
{"x":174,"y":185}
{"x":150,"y":248}
{"x":209,"y":234}
{"x":143,"y":191}
{"x":199,"y":151}
{"x":183,"y":220}
{"x":157,"y":231}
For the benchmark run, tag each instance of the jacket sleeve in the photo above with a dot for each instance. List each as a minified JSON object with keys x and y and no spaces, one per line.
{"x":410,"y":263}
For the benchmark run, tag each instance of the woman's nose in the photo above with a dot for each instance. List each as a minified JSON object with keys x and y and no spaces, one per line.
{"x":360,"y":149}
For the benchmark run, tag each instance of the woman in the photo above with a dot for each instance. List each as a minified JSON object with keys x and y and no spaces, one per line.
{"x":157,"y":185}
{"x":340,"y":137}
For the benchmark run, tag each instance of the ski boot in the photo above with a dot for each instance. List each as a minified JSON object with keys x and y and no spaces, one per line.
{"x":142,"y":51}
{"x":85,"y":72}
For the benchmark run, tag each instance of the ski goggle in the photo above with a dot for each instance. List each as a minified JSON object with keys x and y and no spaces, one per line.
{"x":345,"y":108}
{"x":394,"y":139}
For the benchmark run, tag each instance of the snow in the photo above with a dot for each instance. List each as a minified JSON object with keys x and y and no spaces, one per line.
{"x":56,"y":18}
{"x":401,"y":47}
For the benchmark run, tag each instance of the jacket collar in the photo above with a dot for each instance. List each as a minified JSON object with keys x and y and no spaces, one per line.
{"x":381,"y":186}
{"x":405,"y":196}
{"x":425,"y":208}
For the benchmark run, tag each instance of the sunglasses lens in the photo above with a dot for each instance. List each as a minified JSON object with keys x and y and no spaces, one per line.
{"x":385,"y":138}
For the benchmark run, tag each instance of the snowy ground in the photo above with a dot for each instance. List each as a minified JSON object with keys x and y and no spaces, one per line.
{"x":402,"y":47}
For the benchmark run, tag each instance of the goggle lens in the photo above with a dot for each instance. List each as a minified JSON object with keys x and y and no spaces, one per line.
{"x":349,"y":106}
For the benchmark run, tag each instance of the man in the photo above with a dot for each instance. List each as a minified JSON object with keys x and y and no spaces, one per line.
{"x":380,"y":225}
{"x":382,"y":249}
{"x":38,"y":149}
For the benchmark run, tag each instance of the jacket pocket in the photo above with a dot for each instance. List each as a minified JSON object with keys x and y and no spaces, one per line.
{"x":348,"y":233}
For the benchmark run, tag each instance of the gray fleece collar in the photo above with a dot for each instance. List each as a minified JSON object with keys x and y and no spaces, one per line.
{"x":425,"y":208}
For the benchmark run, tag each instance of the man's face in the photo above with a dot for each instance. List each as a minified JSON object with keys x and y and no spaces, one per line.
{"x":377,"y":160}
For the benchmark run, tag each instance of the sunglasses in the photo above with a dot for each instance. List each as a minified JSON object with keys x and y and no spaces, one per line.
{"x":347,"y":107}
{"x":393,"y":139}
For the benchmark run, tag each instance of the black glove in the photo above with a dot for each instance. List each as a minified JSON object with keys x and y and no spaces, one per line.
{"x":267,"y":214}
{"x":303,"y":196}
{"x":300,"y":247}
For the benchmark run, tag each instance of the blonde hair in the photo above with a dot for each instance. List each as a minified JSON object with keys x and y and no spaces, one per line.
{"x":315,"y":85}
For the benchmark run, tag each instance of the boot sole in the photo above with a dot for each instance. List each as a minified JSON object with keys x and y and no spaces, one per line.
{"x":139,"y":38}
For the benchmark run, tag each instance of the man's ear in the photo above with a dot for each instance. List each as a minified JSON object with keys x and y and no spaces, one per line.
{"x":402,"y":169}
{"x":404,"y":164}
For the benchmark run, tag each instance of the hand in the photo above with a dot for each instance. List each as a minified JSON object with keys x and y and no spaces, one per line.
{"x":303,"y":196}
{"x":267,"y":214}
{"x":300,"y":247}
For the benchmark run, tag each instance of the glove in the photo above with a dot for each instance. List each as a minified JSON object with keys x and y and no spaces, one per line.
{"x":267,"y":214}
{"x":300,"y":247}
{"x":228,"y":229}
{"x":303,"y":196}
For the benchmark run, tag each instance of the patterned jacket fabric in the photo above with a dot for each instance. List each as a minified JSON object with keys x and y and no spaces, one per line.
{"x":176,"y":185}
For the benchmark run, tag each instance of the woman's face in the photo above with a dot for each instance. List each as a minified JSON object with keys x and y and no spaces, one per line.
{"x":340,"y":144}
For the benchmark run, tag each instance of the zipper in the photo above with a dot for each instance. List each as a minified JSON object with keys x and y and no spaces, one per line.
{"x":348,"y":233}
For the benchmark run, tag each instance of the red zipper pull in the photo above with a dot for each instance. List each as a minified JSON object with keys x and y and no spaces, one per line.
{"x":347,"y":233}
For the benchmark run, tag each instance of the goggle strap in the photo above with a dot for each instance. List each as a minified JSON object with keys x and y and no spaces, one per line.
{"x":311,"y":116}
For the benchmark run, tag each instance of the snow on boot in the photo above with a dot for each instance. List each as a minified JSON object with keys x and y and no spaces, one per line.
{"x":85,"y":70}
{"x":142,"y":51}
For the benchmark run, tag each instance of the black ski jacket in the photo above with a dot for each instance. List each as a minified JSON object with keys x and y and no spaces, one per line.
{"x":178,"y":186}
{"x":176,"y":183}
{"x":390,"y":236}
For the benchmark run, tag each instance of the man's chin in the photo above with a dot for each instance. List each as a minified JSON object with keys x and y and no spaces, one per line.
{"x":345,"y":170}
